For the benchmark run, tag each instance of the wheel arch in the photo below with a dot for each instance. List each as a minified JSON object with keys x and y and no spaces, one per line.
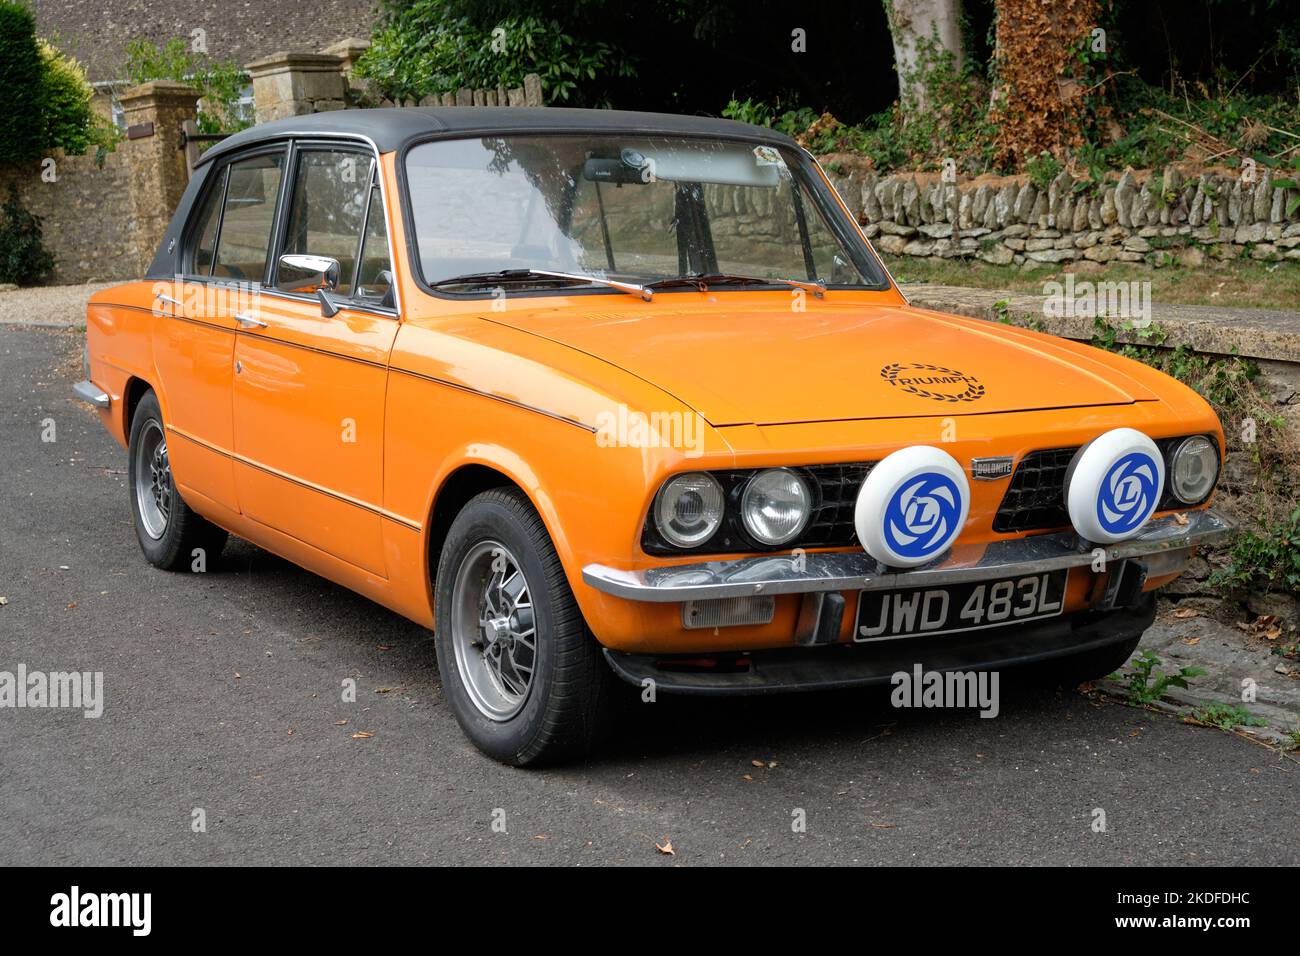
{"x":470,"y":477}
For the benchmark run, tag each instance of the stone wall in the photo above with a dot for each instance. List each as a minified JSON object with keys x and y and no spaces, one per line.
{"x":87,"y":212}
{"x":1153,"y":217}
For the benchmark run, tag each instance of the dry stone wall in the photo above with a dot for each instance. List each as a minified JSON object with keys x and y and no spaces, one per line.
{"x":1154,"y":217}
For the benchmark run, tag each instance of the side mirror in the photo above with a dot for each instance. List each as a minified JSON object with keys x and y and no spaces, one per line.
{"x":307,"y":274}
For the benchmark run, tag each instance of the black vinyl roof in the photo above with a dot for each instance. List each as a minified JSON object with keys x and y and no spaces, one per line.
{"x":391,"y":129}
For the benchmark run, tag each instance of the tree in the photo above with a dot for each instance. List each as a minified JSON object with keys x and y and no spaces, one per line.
{"x":1040,"y":57}
{"x":22,"y":120}
{"x":921,"y":30}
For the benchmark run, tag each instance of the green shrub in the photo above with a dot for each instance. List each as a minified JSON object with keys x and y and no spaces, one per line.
{"x":23,"y":260}
{"x":21,"y":121}
{"x":220,"y":83}
{"x":71,"y":124}
{"x":424,"y":47}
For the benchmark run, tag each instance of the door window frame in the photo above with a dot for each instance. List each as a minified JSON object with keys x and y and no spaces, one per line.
{"x":297,"y":147}
{"x":219,"y":178}
{"x":289,"y":148}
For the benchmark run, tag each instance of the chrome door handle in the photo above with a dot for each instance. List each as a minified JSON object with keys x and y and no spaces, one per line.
{"x":250,"y":322}
{"x":166,"y":298}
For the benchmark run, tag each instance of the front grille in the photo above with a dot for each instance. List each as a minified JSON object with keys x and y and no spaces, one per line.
{"x":1035,"y":500}
{"x":831,"y":524}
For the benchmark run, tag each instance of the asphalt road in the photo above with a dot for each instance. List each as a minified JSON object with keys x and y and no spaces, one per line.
{"x":223,"y":693}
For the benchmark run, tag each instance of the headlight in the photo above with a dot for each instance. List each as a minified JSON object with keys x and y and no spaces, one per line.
{"x":1193,"y":470}
{"x":689,"y":509}
{"x":775,"y":506}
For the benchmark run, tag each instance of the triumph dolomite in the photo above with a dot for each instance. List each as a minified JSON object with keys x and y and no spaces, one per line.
{"x":607,"y":397}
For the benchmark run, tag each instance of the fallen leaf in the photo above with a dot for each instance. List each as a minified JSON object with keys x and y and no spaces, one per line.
{"x":1191,"y":641}
{"x":771,"y":765}
{"x":383,"y":690}
{"x":3,"y":601}
{"x":340,"y":723}
{"x":1185,"y":612}
{"x":667,"y":848}
{"x":384,"y":647}
{"x":1273,"y":633}
{"x":882,"y":826}
{"x":1180,"y":518}
{"x":746,"y":776}
{"x":71,"y":605}
{"x":362,"y":735}
{"x":238,"y":675}
{"x":758,"y":763}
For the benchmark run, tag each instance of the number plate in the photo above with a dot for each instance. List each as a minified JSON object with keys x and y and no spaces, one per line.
{"x":959,"y":607}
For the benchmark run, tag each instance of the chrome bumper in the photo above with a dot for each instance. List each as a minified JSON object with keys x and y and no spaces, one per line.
{"x":90,"y":392}
{"x":1164,"y":542}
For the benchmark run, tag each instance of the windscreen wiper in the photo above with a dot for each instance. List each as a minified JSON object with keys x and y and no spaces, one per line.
{"x":702,"y":281}
{"x":522,"y":275}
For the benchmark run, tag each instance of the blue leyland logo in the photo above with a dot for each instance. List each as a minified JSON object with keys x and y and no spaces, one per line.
{"x":1128,"y":493}
{"x":923,"y":515}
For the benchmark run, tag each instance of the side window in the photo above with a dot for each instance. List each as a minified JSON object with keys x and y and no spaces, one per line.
{"x":244,"y":234}
{"x":205,"y":233}
{"x":327,"y":213}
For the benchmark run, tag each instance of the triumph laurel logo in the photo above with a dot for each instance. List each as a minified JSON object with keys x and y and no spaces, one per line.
{"x":922,"y":515}
{"x":1128,"y":493}
{"x":933,"y":381}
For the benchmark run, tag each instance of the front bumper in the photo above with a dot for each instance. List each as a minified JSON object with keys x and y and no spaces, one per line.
{"x":1163,"y":547}
{"x":859,"y":665}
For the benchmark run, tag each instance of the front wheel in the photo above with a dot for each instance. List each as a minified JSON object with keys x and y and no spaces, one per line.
{"x":171,"y":534}
{"x":524,"y":675}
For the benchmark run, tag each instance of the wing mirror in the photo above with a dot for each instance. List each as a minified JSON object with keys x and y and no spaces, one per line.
{"x":305,"y":274}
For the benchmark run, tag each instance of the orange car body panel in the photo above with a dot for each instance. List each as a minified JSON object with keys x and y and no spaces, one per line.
{"x":451,"y":383}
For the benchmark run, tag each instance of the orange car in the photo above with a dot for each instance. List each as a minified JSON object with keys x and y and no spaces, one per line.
{"x":627,"y":394}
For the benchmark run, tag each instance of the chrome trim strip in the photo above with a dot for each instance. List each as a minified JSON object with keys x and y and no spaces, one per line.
{"x":496,"y":398}
{"x":92,"y":394}
{"x":301,"y":482}
{"x":858,"y":571}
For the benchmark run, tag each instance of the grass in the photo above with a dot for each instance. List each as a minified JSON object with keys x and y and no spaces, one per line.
{"x":1243,"y":284}
{"x":1144,"y":684}
{"x":1225,"y":717}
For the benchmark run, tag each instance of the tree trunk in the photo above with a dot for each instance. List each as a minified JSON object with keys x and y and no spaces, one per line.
{"x":1038,"y":97}
{"x":921,"y":28}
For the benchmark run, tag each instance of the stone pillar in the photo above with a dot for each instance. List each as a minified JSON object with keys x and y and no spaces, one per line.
{"x":155,"y":113}
{"x":359,"y":92}
{"x":294,"y":84}
{"x":348,"y":52}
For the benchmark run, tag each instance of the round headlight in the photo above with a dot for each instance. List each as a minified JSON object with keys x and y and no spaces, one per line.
{"x":1193,"y":470}
{"x":689,"y":509}
{"x":775,"y":506}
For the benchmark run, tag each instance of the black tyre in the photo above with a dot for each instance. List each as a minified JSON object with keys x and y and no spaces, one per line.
{"x":168,"y":530}
{"x":525,"y":677}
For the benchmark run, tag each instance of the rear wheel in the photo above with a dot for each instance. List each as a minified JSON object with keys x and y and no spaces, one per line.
{"x":169,"y":531}
{"x":525,"y":677}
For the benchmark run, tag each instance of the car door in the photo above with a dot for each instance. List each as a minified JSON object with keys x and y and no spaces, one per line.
{"x":226,"y":252}
{"x":309,"y":387}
